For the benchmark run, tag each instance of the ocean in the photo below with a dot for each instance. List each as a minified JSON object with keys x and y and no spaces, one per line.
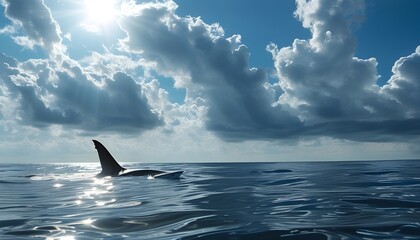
{"x":305,"y":200}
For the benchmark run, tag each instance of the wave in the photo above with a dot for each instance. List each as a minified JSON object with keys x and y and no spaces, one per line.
{"x":367,"y":200}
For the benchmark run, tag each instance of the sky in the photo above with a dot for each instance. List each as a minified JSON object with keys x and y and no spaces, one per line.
{"x":209,"y":81}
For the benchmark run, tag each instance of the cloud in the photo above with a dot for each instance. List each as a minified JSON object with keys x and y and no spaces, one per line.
{"x":64,"y":94}
{"x":36,"y":20}
{"x":67,"y":36}
{"x":24,"y":41}
{"x":404,"y":85}
{"x":9,"y":29}
{"x":109,"y":63}
{"x":321,"y":78}
{"x":211,"y":67}
{"x":334,"y":92}
{"x":323,"y":89}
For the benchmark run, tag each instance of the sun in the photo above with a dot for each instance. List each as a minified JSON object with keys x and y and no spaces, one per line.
{"x":101,"y":11}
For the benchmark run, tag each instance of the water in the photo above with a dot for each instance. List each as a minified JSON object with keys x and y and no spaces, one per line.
{"x":339,"y":200}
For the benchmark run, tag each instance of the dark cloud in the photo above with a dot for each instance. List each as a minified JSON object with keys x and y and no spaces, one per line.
{"x":118,"y":105}
{"x":209,"y":66}
{"x":33,"y":110}
{"x":66,"y":95}
{"x":325,"y":89}
{"x":36,"y":20}
{"x":367,"y":131}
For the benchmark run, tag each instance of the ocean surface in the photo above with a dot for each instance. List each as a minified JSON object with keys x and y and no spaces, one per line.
{"x":328,"y":200}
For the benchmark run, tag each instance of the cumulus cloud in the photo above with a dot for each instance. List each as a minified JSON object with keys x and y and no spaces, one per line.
{"x":321,"y":77}
{"x":323,"y":89}
{"x":211,"y":67}
{"x":64,"y":94}
{"x":35,"y":18}
{"x":334,"y":92}
{"x":404,"y":85}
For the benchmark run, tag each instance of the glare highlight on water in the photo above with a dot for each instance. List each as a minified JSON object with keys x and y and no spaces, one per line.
{"x":331,"y":200}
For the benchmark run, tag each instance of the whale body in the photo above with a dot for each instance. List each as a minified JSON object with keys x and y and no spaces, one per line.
{"x":110,"y":167}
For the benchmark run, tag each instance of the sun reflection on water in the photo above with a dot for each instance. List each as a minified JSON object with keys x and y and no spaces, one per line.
{"x":98,"y":193}
{"x":102,"y":203}
{"x":101,"y":181}
{"x":62,"y":238}
{"x":88,"y":221}
{"x":101,"y":186}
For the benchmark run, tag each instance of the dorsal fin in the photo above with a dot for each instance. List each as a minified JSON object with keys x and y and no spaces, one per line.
{"x":110,"y":167}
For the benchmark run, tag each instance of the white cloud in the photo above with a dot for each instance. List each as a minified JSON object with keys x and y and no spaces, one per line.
{"x":109,"y":63}
{"x":404,"y":85}
{"x":334,"y":92}
{"x":67,"y":36}
{"x":9,"y":29}
{"x":211,"y":67}
{"x":36,"y":20}
{"x":321,"y":77}
{"x":24,"y":41}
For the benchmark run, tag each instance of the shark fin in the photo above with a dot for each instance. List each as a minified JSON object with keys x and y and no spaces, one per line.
{"x":109,"y":165}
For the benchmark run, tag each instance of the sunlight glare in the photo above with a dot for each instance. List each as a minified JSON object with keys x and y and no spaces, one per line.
{"x":62,"y":238}
{"x":101,"y":11}
{"x":88,"y":221}
{"x":102,"y":203}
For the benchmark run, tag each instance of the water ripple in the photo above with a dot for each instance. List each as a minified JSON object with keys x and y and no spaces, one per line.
{"x":364,"y":200}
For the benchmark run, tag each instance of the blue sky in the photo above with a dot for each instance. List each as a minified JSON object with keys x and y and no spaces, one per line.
{"x":182,"y":81}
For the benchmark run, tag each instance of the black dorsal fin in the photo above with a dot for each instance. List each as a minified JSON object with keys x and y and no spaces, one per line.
{"x":110,"y":167}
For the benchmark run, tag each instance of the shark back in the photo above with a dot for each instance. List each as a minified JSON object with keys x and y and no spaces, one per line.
{"x":110,"y":167}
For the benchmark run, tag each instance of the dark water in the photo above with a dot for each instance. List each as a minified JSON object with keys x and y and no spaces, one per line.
{"x":340,"y":200}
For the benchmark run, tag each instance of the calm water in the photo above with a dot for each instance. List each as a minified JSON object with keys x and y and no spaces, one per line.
{"x":340,"y":200}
